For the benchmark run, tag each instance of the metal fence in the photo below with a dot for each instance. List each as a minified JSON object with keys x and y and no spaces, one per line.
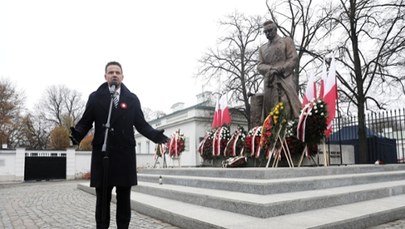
{"x":382,"y":127}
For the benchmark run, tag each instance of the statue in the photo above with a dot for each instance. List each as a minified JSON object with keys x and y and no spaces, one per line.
{"x":277,"y":59}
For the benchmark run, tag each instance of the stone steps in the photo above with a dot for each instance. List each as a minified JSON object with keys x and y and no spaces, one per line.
{"x":274,"y":185}
{"x":357,"y":196}
{"x":264,"y":206}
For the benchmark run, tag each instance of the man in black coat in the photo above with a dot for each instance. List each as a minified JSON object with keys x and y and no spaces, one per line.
{"x":121,"y":142}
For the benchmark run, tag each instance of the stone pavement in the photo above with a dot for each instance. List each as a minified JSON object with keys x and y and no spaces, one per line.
{"x":57,"y":204}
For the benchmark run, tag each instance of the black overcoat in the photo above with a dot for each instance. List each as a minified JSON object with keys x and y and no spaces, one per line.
{"x":121,"y":139}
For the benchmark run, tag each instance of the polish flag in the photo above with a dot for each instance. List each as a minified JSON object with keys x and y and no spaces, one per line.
{"x":222,"y":114}
{"x":310,"y":92}
{"x":329,"y":93}
{"x":216,"y":121}
{"x":225,"y":113}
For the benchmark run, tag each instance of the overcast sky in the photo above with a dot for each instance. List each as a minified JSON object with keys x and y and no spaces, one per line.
{"x":68,"y":42}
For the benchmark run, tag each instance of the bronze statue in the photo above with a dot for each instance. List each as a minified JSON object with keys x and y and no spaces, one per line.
{"x":277,"y":59}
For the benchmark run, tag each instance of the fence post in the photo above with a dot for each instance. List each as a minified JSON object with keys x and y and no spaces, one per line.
{"x":19,"y":164}
{"x":70,"y":163}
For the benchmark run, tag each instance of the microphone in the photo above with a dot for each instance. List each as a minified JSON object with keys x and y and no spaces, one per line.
{"x":113,"y":87}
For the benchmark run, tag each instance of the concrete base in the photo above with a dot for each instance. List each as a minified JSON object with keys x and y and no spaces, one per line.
{"x":317,"y":197}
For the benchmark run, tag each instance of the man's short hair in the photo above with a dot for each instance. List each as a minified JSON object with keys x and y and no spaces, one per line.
{"x":113,"y":63}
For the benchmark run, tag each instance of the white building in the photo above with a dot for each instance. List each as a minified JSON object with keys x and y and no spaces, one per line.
{"x":193,"y":122}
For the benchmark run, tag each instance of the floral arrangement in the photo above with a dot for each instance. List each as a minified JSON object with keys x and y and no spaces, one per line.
{"x":272,"y":125}
{"x":295,"y":146}
{"x":312,"y":122}
{"x":205,"y":146}
{"x":252,"y":142}
{"x":176,"y":144}
{"x":236,"y":143}
{"x":220,"y":139}
{"x":160,"y":149}
{"x":292,"y":128}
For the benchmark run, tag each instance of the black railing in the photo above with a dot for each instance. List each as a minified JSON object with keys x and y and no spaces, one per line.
{"x":385,"y":133}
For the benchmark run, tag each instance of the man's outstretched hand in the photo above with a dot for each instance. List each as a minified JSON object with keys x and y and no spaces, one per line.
{"x":161,"y":138}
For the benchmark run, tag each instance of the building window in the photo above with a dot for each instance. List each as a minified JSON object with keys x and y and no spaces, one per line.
{"x":148,"y":151}
{"x":138,"y":148}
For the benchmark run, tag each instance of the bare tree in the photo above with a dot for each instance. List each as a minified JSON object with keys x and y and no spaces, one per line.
{"x":151,"y":114}
{"x":11,"y":103}
{"x":371,"y":48}
{"x":33,"y":132}
{"x":233,"y":63}
{"x":59,"y":103}
{"x":368,"y":36}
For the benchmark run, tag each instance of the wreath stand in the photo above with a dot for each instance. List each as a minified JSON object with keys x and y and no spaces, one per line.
{"x":176,"y":159}
{"x":325,"y":155}
{"x":164,"y":159}
{"x":283,"y":148}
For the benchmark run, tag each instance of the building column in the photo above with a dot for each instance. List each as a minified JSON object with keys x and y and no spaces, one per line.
{"x":70,"y":163}
{"x":19,"y":164}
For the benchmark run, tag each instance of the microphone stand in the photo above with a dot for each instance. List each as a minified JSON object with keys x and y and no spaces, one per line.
{"x":106,"y":163}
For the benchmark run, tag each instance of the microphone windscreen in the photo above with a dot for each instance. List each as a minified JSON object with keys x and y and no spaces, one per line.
{"x":113,"y":87}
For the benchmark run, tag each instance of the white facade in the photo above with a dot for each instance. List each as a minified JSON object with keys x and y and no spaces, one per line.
{"x":193,"y":122}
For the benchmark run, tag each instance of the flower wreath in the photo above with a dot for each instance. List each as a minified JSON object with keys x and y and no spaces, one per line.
{"x":275,"y":122}
{"x":160,"y":150}
{"x":176,"y":144}
{"x":312,"y":122}
{"x":234,"y":147}
{"x":205,"y":146}
{"x":294,"y":145}
{"x":220,"y":139}
{"x":252,"y":142}
{"x":312,"y":125}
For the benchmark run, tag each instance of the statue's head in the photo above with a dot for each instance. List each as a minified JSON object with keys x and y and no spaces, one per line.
{"x":270,"y":29}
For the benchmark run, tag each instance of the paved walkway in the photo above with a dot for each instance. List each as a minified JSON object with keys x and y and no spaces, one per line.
{"x":57,"y":204}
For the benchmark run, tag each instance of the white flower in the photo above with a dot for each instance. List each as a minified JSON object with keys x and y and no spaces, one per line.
{"x":322,"y":114}
{"x":316,"y":111}
{"x":310,"y":114}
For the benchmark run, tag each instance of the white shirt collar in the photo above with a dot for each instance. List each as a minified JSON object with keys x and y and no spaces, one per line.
{"x":118,"y":91}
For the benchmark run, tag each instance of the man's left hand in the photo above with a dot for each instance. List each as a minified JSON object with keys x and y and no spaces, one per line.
{"x":161,"y":138}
